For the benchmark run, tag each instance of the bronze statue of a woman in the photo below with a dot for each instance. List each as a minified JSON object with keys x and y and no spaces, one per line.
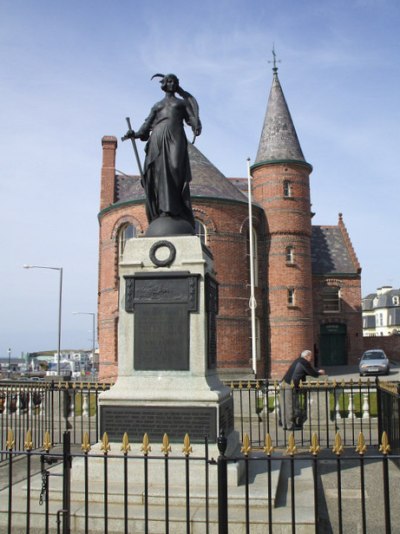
{"x":166,"y":173}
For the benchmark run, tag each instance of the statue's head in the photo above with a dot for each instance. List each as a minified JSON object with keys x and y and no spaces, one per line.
{"x":166,"y":80}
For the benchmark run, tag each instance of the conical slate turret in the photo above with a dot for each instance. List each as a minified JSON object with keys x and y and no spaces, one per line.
{"x":281,"y":186}
{"x":279,"y":141}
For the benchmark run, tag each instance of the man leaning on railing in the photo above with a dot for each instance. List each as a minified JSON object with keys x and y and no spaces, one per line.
{"x":293,"y":405}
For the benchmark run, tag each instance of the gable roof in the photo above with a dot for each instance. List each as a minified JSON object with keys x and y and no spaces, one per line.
{"x":207,"y":182}
{"x":329,"y":253}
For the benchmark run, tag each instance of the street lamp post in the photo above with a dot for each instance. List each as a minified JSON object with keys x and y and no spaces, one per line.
{"x":60,"y":269}
{"x":93,"y":331}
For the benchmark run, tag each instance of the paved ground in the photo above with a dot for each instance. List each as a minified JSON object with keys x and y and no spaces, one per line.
{"x":351,"y":372}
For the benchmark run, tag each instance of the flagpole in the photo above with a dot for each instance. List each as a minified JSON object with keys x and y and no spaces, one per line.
{"x":252,"y":300}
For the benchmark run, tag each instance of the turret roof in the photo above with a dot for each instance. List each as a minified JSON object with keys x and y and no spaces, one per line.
{"x":279,"y":141}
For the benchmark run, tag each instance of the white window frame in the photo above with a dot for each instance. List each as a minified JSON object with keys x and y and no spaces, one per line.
{"x":122,"y":237}
{"x":201,"y":231}
{"x":291,"y":297}
{"x":289,"y":254}
{"x":287,"y":189}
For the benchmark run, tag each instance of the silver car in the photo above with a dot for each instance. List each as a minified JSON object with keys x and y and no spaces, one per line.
{"x":374,"y":362}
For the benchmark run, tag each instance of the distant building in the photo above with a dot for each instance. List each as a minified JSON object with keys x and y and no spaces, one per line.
{"x":12,"y":365}
{"x":381,"y":312}
{"x":307,"y":277}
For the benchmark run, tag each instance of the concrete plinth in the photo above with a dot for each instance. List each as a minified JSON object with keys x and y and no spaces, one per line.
{"x":167,"y":381}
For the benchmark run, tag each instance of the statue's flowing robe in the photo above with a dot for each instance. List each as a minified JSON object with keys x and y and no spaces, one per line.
{"x":166,"y":168}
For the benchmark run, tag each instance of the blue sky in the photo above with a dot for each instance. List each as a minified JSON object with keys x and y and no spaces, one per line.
{"x":72,"y":71}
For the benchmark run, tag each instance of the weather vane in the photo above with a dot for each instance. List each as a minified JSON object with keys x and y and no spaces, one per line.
{"x":274,"y":61}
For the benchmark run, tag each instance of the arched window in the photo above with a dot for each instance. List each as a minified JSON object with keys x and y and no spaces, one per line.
{"x":331,"y":299}
{"x":289,"y":254}
{"x":201,"y":231}
{"x":287,"y":189}
{"x":128,"y":231}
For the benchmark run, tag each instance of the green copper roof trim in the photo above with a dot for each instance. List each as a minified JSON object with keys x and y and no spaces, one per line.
{"x":117,"y":205}
{"x":282,"y":161}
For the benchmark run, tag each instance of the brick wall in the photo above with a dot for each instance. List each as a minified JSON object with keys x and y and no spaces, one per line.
{"x":349,"y":314}
{"x":390,"y":344}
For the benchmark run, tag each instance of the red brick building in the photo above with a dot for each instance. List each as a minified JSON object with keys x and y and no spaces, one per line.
{"x":307,"y":278}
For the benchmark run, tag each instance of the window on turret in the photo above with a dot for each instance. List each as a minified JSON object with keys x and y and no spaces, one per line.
{"x":128,"y":231}
{"x":291,"y":296}
{"x":331,"y":299}
{"x":290,"y":255}
{"x":201,"y":231}
{"x":287,"y":189}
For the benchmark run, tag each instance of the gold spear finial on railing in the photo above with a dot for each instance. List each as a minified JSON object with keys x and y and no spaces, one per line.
{"x":28,"y":444}
{"x":361,"y":447}
{"x":315,"y":448}
{"x":240,"y":384}
{"x":232,"y":385}
{"x":10,"y":440}
{"x":166,"y":447}
{"x":246,"y":448}
{"x":248,"y":384}
{"x":338,"y":447}
{"x":187,"y":448}
{"x":86,"y":443}
{"x":47,"y":445}
{"x":291,"y":448}
{"x":268,"y":448}
{"x":125,"y":447}
{"x":105,"y":444}
{"x":385,"y":447}
{"x":145,"y":448}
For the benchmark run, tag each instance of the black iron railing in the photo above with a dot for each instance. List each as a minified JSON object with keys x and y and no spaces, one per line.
{"x":49,"y":406}
{"x":388,"y":401}
{"x":328,"y":407}
{"x":146,"y":488}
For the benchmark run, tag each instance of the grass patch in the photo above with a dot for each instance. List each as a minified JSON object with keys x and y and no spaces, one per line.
{"x":92,"y":404}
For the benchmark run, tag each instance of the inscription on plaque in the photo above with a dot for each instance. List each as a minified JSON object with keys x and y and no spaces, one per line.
{"x":157,"y":421}
{"x":161,"y":303}
{"x":161,"y":337}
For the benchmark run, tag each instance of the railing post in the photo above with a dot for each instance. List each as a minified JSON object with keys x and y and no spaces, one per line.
{"x":379,"y":407}
{"x":67,"y":461}
{"x":222,"y":485}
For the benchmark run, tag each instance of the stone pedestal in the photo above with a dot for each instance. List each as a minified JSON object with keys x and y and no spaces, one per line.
{"x":167,"y":381}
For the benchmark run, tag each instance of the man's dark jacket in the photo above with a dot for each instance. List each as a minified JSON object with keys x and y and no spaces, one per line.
{"x":298,"y":371}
